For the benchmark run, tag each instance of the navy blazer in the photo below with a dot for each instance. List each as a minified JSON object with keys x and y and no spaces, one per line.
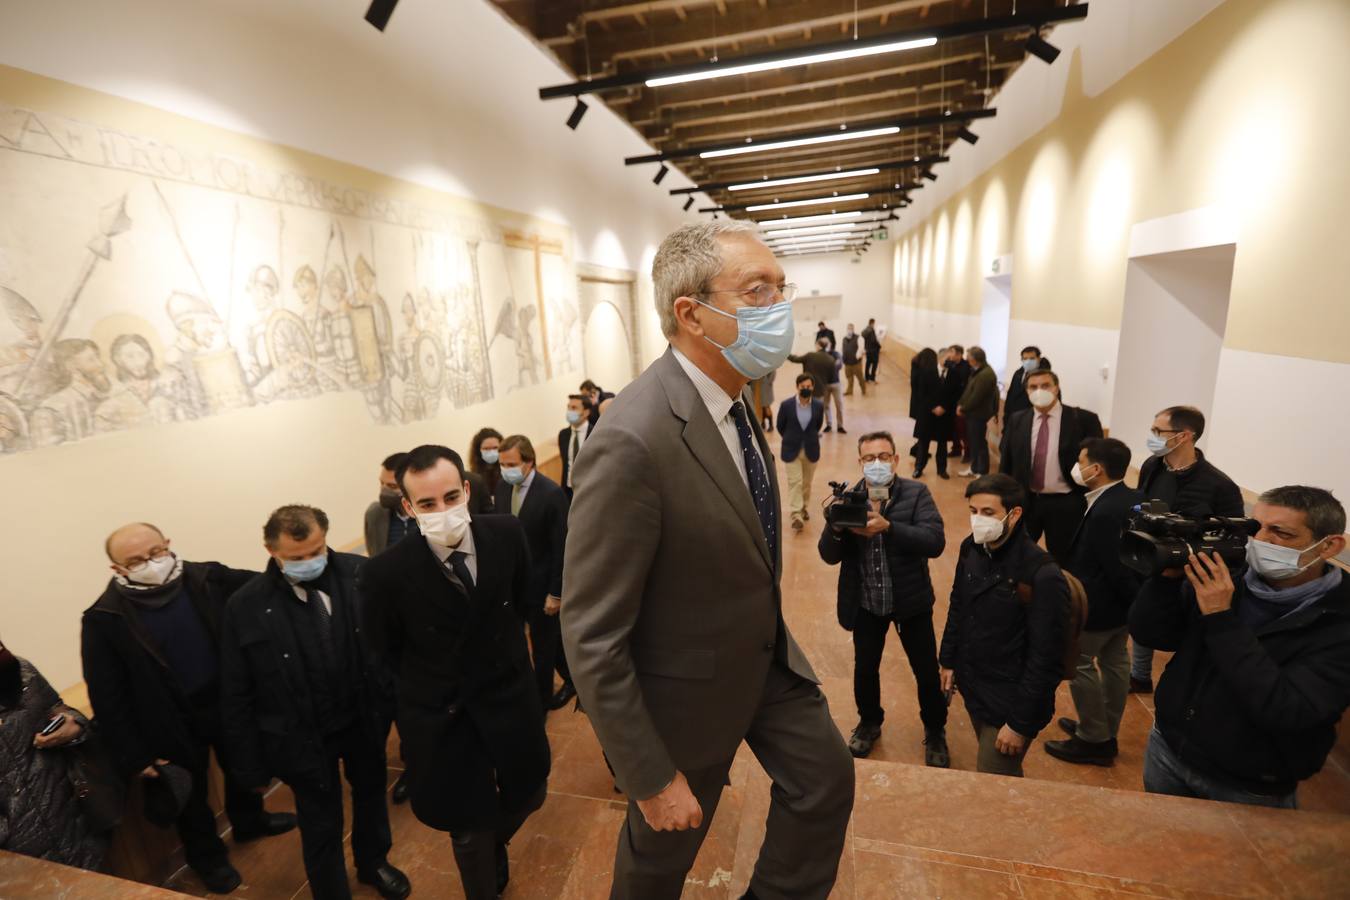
{"x":795,"y":440}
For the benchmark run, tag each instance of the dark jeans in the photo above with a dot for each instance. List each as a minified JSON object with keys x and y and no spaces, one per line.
{"x":1166,"y":773}
{"x":202,"y":846}
{"x":1057,"y":516}
{"x":977,"y":444}
{"x":476,"y":851}
{"x":318,"y":805}
{"x":870,"y":370}
{"x":547,"y":653}
{"x":916,"y":636}
{"x":921,"y":458}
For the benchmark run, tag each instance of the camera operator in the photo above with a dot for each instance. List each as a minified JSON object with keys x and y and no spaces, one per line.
{"x":1248,"y":706}
{"x":1004,"y":654}
{"x":1179,"y":475}
{"x":884,"y":582}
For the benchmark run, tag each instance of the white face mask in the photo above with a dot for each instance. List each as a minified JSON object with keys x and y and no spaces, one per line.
{"x":1077,"y":476}
{"x":1276,"y":562}
{"x":154,"y":571}
{"x":986,"y":529}
{"x":1042,"y":398}
{"x":445,"y":528}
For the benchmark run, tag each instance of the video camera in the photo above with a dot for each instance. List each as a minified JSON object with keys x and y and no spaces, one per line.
{"x":1156,"y":539}
{"x":850,"y":506}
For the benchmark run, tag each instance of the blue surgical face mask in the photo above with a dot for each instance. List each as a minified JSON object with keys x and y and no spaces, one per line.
{"x":513,"y":475}
{"x":1029,"y":365}
{"x":878,"y":473}
{"x":1276,"y":562}
{"x":1158,"y":446}
{"x":305,"y":569}
{"x":489,"y":456}
{"x":573,"y":417}
{"x":763,"y":338}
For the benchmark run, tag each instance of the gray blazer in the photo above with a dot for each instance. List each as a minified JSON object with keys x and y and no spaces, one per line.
{"x":673,"y":612}
{"x":377,"y":529}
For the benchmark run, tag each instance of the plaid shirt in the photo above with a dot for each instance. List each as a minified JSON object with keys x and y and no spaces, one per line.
{"x":877,"y":597}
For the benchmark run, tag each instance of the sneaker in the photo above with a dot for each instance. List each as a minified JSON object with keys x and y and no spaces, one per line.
{"x":806,"y":515}
{"x":827,"y":429}
{"x":797,"y":524}
{"x":935,"y":751}
{"x":1074,"y":750}
{"x":841,"y":430}
{"x":1141,"y":685}
{"x":965,"y":473}
{"x":862,"y":739}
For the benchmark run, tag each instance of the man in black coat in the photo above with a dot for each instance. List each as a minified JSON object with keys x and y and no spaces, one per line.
{"x":570,"y":440}
{"x":1039,"y":448}
{"x":799,"y":421}
{"x":957,"y":371}
{"x":1017,"y":388}
{"x":1248,"y":706}
{"x":149,"y":648}
{"x":541,"y":506}
{"x":300,"y":693}
{"x":824,"y":331}
{"x":1178,"y":474}
{"x":884,"y":583}
{"x":446,"y":613}
{"x":1005,"y":655}
{"x":871,"y":350}
{"x":1102,"y":683}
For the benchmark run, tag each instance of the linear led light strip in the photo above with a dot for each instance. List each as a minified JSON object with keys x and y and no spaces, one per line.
{"x":802,"y":179}
{"x":814,"y":201}
{"x":820,"y":239}
{"x":803,"y":220}
{"x":804,"y":60}
{"x":801,"y":142}
{"x":812,"y":233}
{"x":783,"y":234}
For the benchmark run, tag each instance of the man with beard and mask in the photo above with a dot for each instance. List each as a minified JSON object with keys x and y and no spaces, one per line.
{"x":1249,"y":704}
{"x":1003,"y":653}
{"x":150,"y":662}
{"x":68,"y":414}
{"x":40,"y":815}
{"x":446,"y":613}
{"x":300,"y":693}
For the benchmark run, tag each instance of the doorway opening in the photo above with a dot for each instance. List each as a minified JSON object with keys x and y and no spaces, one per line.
{"x":995,"y":317}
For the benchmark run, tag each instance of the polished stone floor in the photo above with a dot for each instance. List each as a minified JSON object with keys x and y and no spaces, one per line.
{"x":1064,"y":832}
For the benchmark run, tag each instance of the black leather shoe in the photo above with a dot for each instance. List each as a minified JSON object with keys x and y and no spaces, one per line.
{"x":400,"y":792}
{"x":918,"y":473}
{"x":862,"y":739}
{"x":1141,"y":685}
{"x":1083,"y":753}
{"x":935,"y":752}
{"x":270,"y":824}
{"x":944,"y":476}
{"x":503,"y":869}
{"x":827,"y":429}
{"x":841,"y":430}
{"x":221,"y":880}
{"x":563,"y":697}
{"x":1069,"y":726}
{"x":390,"y":882}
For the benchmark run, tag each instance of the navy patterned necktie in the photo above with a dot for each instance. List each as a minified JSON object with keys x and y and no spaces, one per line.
{"x":461,"y":570}
{"x":760,"y":489}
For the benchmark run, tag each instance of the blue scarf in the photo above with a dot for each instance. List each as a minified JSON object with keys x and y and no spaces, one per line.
{"x":1264,"y":604}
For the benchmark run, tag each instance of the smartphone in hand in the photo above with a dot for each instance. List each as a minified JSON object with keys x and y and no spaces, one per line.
{"x":51,"y":727}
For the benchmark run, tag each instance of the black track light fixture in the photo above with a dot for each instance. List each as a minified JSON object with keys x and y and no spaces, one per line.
{"x":968,"y":136}
{"x":688,"y":203}
{"x":1042,"y":49}
{"x":577,"y":112}
{"x":928,"y":173}
{"x":661,"y":173}
{"x":379,"y":13}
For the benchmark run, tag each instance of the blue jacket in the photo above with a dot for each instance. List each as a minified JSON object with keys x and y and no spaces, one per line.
{"x":795,"y":440}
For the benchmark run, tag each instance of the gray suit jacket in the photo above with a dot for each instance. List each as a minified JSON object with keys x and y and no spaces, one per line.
{"x":377,"y":529}
{"x":673,"y":613}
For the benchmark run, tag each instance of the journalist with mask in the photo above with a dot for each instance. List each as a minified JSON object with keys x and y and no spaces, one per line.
{"x":883,"y":584}
{"x":673,"y":618}
{"x":445,"y":613}
{"x":387,"y":522}
{"x":1249,"y":704}
{"x":300,"y":695}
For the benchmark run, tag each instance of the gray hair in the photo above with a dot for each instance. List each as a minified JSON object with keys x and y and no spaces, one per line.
{"x":687,"y":260}
{"x":1324,"y":513}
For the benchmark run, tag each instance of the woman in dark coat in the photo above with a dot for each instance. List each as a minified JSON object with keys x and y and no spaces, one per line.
{"x":930,"y":392}
{"x":491,"y":472}
{"x":40,"y":816}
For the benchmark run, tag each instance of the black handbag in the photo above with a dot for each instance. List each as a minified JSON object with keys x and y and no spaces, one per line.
{"x":101,"y":794}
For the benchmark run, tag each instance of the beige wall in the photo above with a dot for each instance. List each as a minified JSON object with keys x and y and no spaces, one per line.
{"x":1245,"y":110}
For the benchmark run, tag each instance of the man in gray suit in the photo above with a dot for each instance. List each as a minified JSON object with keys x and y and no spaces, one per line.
{"x":673,"y":621}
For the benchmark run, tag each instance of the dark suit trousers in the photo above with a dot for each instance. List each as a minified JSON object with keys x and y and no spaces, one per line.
{"x":920,"y":644}
{"x":870,"y":370}
{"x":977,"y":444}
{"x":476,"y":851}
{"x":196,"y":824}
{"x":921,"y":458}
{"x":546,"y":652}
{"x":1057,"y":516}
{"x":797,"y":743}
{"x":318,"y":806}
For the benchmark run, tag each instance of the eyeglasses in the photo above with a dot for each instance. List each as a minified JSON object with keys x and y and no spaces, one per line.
{"x":1159,"y":432}
{"x":155,"y":553}
{"x":876,"y":457}
{"x":762,"y":295}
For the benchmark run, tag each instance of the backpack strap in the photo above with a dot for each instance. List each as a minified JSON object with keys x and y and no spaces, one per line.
{"x":1028,"y":575}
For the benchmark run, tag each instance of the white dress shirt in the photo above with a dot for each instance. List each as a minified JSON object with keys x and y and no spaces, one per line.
{"x":1094,"y":494}
{"x":1055,"y":482}
{"x":303,"y":594}
{"x":465,"y":546}
{"x":719,"y":408}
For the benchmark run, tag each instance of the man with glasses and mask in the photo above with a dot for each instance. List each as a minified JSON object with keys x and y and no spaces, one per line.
{"x":300,"y":694}
{"x":673,"y":622}
{"x":884,"y":582}
{"x":1248,"y":706}
{"x":1178,"y":474}
{"x":149,"y":648}
{"x":1003,"y":647}
{"x":445,"y":613}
